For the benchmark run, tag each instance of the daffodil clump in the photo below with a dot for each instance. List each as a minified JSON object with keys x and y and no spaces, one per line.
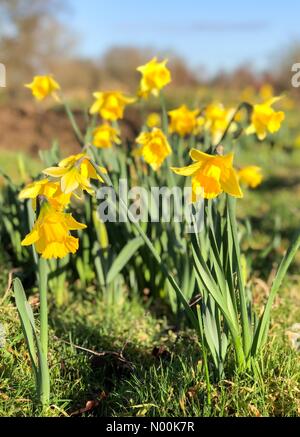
{"x":51,"y":232}
{"x":211,"y":172}
{"x":207,"y":135}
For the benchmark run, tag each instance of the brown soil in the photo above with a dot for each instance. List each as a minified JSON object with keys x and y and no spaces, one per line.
{"x":24,"y":128}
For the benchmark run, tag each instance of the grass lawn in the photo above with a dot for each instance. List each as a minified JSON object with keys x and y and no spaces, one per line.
{"x":148,"y":368}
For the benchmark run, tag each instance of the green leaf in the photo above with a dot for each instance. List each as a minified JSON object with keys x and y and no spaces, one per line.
{"x":99,"y":263}
{"x":263,"y":325}
{"x":27,"y":321}
{"x":124,"y":256}
{"x":246,"y":329}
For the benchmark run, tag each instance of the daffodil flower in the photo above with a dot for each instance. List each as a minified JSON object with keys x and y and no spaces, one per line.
{"x":75,"y":173}
{"x":183,"y":120}
{"x":251,"y":176}
{"x":153,"y":120}
{"x":43,"y":86}
{"x":110,"y":104}
{"x":265,"y":119}
{"x":266,"y":91}
{"x":154,"y":147}
{"x":155,"y":76}
{"x":105,"y":136}
{"x":51,"y":233}
{"x":211,"y":175}
{"x":217,"y":118}
{"x":48,"y":189}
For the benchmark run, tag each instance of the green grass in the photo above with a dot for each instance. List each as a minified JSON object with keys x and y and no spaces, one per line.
{"x":18,"y":165}
{"x":170,"y":382}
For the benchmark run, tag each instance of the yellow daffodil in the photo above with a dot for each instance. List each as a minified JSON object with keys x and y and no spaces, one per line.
{"x":211,"y":175}
{"x":251,"y":176}
{"x":51,"y":233}
{"x":266,"y":91}
{"x":265,"y":119}
{"x":48,"y":189}
{"x":248,"y":94}
{"x":110,"y":104}
{"x":154,"y":147}
{"x":43,"y":86}
{"x":200,"y":124}
{"x":153,"y":120}
{"x":216,"y":120}
{"x":183,"y":120}
{"x":155,"y":76}
{"x":105,"y":136}
{"x":75,"y":172}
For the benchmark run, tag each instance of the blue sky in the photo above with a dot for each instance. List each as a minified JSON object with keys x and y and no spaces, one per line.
{"x":216,"y":34}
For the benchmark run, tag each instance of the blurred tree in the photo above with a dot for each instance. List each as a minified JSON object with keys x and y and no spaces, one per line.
{"x":31,"y":38}
{"x":182,"y":75}
{"x":78,"y":77}
{"x":119,"y":64}
{"x":241,"y":77}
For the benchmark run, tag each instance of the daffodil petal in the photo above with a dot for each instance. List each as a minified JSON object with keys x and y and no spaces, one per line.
{"x":230,"y":183}
{"x":187,"y":171}
{"x":30,"y":192}
{"x":199,"y":156}
{"x":31,"y":238}
{"x":74,"y":224}
{"x":69,"y":182}
{"x":55,"y":172}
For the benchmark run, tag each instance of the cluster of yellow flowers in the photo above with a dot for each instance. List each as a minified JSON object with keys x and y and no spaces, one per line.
{"x":51,"y":231}
{"x":110,"y":105}
{"x":211,"y":174}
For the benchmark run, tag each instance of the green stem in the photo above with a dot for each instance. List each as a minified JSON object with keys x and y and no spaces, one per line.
{"x":239,"y":353}
{"x":164,"y":114}
{"x":241,"y":290}
{"x":204,"y":354}
{"x":73,"y":122}
{"x":44,"y":380}
{"x":152,"y":249}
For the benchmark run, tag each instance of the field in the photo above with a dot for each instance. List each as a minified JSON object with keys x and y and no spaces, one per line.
{"x":127,"y":348}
